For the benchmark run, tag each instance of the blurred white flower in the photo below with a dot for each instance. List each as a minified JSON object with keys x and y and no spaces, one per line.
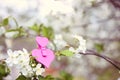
{"x":118,"y":79}
{"x":60,"y":43}
{"x":11,"y":60}
{"x":20,"y":6}
{"x":103,"y":12}
{"x":55,"y":7}
{"x":20,"y":59}
{"x":27,"y":70}
{"x":82,"y":45}
{"x":38,"y":69}
{"x":2,"y":30}
{"x":77,"y":55}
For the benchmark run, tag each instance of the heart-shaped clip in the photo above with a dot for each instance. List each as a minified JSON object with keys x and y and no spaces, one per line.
{"x":43,"y":55}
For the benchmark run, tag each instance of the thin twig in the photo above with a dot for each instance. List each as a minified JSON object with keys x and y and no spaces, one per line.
{"x":116,"y":64}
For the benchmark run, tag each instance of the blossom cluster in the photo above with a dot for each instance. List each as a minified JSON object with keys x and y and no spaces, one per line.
{"x":21,"y":60}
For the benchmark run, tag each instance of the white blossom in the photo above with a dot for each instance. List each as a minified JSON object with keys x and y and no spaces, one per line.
{"x":11,"y":60}
{"x":82,"y":45}
{"x":20,"y":59}
{"x":38,"y":69}
{"x":60,"y":43}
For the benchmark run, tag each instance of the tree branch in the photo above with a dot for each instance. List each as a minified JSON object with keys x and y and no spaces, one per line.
{"x":116,"y":3}
{"x":116,"y":64}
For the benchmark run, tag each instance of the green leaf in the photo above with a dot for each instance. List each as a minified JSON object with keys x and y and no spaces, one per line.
{"x":58,"y":78}
{"x":1,"y":77}
{"x":66,"y":76}
{"x":48,"y":77}
{"x":48,"y":32}
{"x":36,"y":28}
{"x":41,"y":77}
{"x":12,"y":30}
{"x":66,"y":53}
{"x":22,"y":77}
{"x":45,"y":31}
{"x":20,"y":30}
{"x":4,"y":70}
{"x":5,"y":22}
{"x":0,"y":25}
{"x":99,"y":47}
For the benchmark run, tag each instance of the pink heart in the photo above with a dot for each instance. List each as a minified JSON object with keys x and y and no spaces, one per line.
{"x":45,"y":60}
{"x":41,"y":41}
